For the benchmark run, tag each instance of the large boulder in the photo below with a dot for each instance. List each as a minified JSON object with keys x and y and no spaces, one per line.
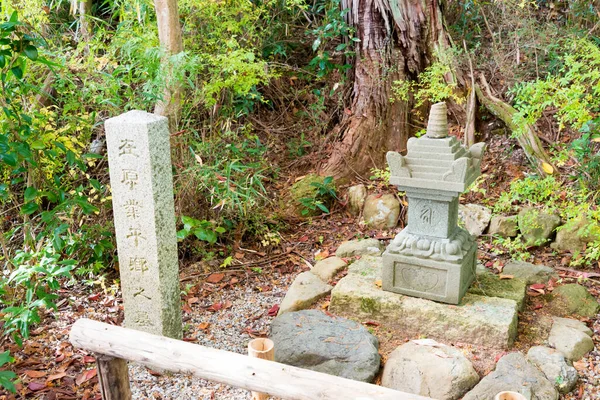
{"x":476,"y":218}
{"x":576,"y":234}
{"x":503,"y":226}
{"x":356,"y":198}
{"x":314,"y":340}
{"x":554,"y":366}
{"x":529,"y":273}
{"x":364,"y":247}
{"x":381,"y":212}
{"x":305,"y":188}
{"x":304,"y":291}
{"x":573,"y":299}
{"x":573,"y":343}
{"x":428,"y":368}
{"x":514,"y":373}
{"x":327,"y":268}
{"x":536,"y":226}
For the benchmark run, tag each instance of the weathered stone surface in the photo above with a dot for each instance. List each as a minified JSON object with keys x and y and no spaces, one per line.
{"x":573,"y":343}
{"x":488,"y":284}
{"x":554,"y":366}
{"x":503,"y":226}
{"x":514,"y":373}
{"x":486,"y":321}
{"x":428,"y":368}
{"x":368,"y":267}
{"x":529,"y":273}
{"x":304,"y":291}
{"x":576,"y":234}
{"x":327,"y":268}
{"x":573,"y":299}
{"x":381,"y":212}
{"x":574,"y":324}
{"x":475,"y":218}
{"x":144,"y":212}
{"x":536,"y":226}
{"x":356,"y":198}
{"x":365,"y":247}
{"x":311,"y":339}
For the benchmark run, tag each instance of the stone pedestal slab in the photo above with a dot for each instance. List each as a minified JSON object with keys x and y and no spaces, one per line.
{"x":479,"y":320}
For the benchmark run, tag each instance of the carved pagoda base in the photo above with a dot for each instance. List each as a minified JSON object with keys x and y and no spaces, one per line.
{"x":429,"y":278}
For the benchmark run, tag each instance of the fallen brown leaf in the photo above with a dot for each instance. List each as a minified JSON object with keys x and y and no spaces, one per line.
{"x":215,"y":278}
{"x":35,"y":374}
{"x":56,"y":376}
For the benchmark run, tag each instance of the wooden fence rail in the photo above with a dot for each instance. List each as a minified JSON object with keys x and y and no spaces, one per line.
{"x":115,"y":345}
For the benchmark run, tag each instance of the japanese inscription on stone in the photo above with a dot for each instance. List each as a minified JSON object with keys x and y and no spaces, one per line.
{"x":142,"y":196}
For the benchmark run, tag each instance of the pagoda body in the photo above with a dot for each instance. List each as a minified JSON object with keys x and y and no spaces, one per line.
{"x":433,"y":257}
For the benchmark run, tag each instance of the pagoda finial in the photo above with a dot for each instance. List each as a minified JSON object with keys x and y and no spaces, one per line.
{"x":437,"y":127}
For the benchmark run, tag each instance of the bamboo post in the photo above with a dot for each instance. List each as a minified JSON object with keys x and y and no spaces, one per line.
{"x":263,"y":349}
{"x":114,"y":378}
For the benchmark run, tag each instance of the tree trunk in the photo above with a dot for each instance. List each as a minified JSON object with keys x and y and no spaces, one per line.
{"x":398,"y":39}
{"x":169,"y":33}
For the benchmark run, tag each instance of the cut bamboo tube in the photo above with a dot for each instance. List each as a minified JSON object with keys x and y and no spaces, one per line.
{"x":265,"y":350}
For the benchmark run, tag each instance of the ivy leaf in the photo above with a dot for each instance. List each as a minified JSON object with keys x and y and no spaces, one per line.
{"x":17,"y":71}
{"x":29,"y":208}
{"x":30,"y":194}
{"x":31,"y":52}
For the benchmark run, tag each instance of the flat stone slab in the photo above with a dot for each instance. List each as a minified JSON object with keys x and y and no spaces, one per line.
{"x":573,"y":323}
{"x":514,"y":373}
{"x":479,"y":320}
{"x":529,"y":273}
{"x":337,"y":346}
{"x":555,"y":366}
{"x":428,"y":368}
{"x":304,"y":291}
{"x":572,"y":342}
{"x":351,"y":248}
{"x":327,"y":268}
{"x":571,"y":299}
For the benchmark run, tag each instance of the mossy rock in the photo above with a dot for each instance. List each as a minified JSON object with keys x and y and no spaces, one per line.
{"x":488,"y":284}
{"x":573,"y":299}
{"x":536,"y":226}
{"x":304,"y":189}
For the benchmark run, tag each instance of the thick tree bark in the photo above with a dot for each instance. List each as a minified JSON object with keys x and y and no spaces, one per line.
{"x":398,"y":39}
{"x":169,"y":33}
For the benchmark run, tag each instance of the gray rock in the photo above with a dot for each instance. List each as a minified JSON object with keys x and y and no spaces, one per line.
{"x":573,"y":323}
{"x":356,"y":198}
{"x":381,"y":212}
{"x":573,"y":343}
{"x":481,"y":320}
{"x":536,"y":226}
{"x":313,"y":340}
{"x":554,"y":365}
{"x":575,"y":235}
{"x":327,"y":268}
{"x":476,"y":218}
{"x":503,"y":226}
{"x":304,"y":291}
{"x":573,"y":299}
{"x":428,"y":368}
{"x":365,"y":247}
{"x":529,"y":273}
{"x":514,"y":373}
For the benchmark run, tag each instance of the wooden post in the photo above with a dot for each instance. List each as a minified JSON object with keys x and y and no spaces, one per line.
{"x":263,"y":349}
{"x":114,"y":378}
{"x":253,"y":374}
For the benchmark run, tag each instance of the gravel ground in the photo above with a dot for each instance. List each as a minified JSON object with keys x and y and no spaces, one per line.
{"x":227,"y":330}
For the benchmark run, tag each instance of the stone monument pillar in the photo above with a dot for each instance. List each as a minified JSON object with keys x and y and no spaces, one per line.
{"x":139,"y":158}
{"x":432,"y":257}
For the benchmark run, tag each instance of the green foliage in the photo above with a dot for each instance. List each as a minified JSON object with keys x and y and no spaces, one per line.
{"x":324,"y":194}
{"x":7,"y":378}
{"x":431,"y":85}
{"x":531,"y":190}
{"x":203,"y":230}
{"x":381,"y":174}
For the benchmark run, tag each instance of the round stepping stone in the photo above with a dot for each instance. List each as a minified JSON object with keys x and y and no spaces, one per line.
{"x":337,"y":346}
{"x":428,"y":368}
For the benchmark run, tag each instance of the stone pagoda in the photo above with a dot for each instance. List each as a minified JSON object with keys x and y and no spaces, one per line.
{"x":432,"y":257}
